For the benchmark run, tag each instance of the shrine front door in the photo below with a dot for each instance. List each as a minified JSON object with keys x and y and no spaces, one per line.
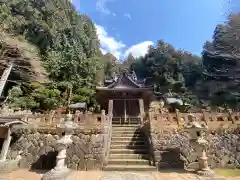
{"x":125,"y":109}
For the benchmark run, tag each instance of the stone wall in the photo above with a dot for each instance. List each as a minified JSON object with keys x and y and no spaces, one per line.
{"x":87,"y":152}
{"x":172,"y":148}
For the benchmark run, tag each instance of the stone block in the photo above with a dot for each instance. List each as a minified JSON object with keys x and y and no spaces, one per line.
{"x":90,"y":163}
{"x":75,"y":159}
{"x":98,"y":165}
{"x":82,"y":165}
{"x":73,"y":166}
{"x":193,"y":157}
{"x":157,"y":155}
{"x":23,"y":163}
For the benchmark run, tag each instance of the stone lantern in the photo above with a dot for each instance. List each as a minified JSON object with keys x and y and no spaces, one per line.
{"x":161,"y":103}
{"x":60,"y":171}
{"x":196,"y":132}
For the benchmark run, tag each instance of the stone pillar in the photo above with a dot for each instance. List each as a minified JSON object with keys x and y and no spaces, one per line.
{"x":205,"y":117}
{"x":103,"y":117}
{"x":231,"y":118}
{"x":179,"y":123}
{"x":6,"y":145}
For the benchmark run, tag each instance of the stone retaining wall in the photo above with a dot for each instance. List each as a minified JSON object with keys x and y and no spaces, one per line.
{"x":172,"y":149}
{"x":8,"y":166}
{"x":38,"y":145}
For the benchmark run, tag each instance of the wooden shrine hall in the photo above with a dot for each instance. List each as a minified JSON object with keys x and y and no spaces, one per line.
{"x":124,"y":98}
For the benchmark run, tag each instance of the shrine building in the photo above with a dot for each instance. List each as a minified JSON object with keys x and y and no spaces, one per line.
{"x":125,"y":98}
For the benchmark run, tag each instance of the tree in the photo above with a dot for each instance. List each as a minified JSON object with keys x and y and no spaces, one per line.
{"x":221,"y":59}
{"x":17,"y":100}
{"x":67,"y":42}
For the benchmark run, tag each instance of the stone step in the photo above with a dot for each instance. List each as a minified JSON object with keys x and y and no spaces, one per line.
{"x":124,"y":142}
{"x":116,"y":131}
{"x":127,"y":146}
{"x":126,"y":125}
{"x":129,"y":168}
{"x":122,"y":131}
{"x":128,"y":151}
{"x":128,"y":162}
{"x":128,"y":156}
{"x":127,"y":120}
{"x":125,"y":129}
{"x":127,"y":138}
{"x":117,"y":135}
{"x":128,"y":134}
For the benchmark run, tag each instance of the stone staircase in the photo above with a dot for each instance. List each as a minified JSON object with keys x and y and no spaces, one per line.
{"x":128,"y":149}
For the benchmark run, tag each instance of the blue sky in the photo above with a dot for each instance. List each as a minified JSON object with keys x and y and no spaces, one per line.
{"x":130,"y":26}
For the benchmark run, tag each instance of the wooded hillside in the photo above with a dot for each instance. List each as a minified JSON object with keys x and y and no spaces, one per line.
{"x":58,"y":47}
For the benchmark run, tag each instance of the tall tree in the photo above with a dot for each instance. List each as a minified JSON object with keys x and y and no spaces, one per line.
{"x":221,"y":59}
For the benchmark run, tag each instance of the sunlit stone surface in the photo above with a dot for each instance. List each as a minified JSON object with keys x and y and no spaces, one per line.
{"x":127,"y":176}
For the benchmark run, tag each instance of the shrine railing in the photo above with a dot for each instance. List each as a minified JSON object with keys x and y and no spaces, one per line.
{"x":212,"y":119}
{"x":55,"y":120}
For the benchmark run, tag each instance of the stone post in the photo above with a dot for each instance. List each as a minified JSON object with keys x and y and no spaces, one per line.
{"x":103,"y":117}
{"x":61,"y":172}
{"x":205,"y":117}
{"x":178,"y":119}
{"x":106,"y":141}
{"x":6,"y":145}
{"x":231,"y":118}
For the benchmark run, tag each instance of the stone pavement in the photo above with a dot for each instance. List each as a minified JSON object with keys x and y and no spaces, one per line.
{"x":96,"y":175}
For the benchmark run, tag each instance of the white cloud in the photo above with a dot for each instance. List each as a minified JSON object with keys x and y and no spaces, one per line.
{"x":118,"y":48}
{"x":108,"y":43}
{"x":103,"y":51}
{"x":101,"y":6}
{"x":138,"y":50}
{"x":127,"y":15}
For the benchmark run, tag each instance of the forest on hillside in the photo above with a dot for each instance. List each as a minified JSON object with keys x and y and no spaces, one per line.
{"x":67,"y":45}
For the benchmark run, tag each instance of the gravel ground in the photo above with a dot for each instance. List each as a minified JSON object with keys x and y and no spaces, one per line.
{"x":22,"y":174}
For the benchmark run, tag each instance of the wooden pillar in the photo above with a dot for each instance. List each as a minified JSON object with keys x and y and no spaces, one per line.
{"x":4,"y":78}
{"x":110,"y":107}
{"x":141,"y":109}
{"x":6,"y":145}
{"x":125,"y":111}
